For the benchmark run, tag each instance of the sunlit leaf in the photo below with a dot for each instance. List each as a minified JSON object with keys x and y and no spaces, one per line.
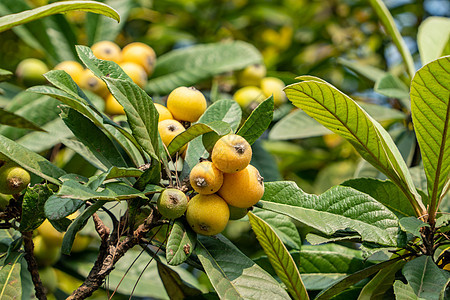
{"x":432,"y":37}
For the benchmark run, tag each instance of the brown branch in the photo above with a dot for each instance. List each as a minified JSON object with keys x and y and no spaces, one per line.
{"x":32,"y":265}
{"x":111,"y":250}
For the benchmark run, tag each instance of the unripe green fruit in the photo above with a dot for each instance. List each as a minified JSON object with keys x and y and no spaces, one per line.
{"x":172,"y":203}
{"x":30,"y":71}
{"x":4,"y":201}
{"x":237,"y":213}
{"x":13,"y":179}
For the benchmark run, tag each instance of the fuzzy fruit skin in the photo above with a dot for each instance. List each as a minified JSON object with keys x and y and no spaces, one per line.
{"x":172,"y":203}
{"x":249,"y":96}
{"x":237,"y":213}
{"x":207,"y":214}
{"x":13,"y":179}
{"x":136,"y":73}
{"x":91,"y":82}
{"x":186,"y":104}
{"x":141,"y":54}
{"x":251,"y":75}
{"x":72,"y":68}
{"x":242,"y":189}
{"x":272,"y":86}
{"x":168,"y":130}
{"x":107,"y":50}
{"x":112,"y":106}
{"x":30,"y":71}
{"x":45,"y":254}
{"x":51,"y":236}
{"x":164,"y":113}
{"x":231,"y":153}
{"x":205,"y":178}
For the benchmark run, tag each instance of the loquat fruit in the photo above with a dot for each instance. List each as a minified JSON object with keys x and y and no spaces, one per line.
{"x":207,"y":214}
{"x":140,"y":54}
{"x":13,"y":179}
{"x":237,"y":213}
{"x":51,"y":236}
{"x":251,"y":75}
{"x":168,"y":130}
{"x":231,"y":153}
{"x":136,"y":73}
{"x":205,"y":178}
{"x":242,"y":189}
{"x":112,"y":106}
{"x":91,"y":82}
{"x":72,"y":68}
{"x":172,"y":203}
{"x":248,"y":96}
{"x":186,"y":104}
{"x":30,"y":71}
{"x":164,"y":113}
{"x":272,"y":86}
{"x":46,"y":255}
{"x":107,"y":50}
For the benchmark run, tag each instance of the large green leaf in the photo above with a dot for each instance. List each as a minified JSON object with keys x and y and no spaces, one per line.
{"x":367,"y":71}
{"x":175,"y":287}
{"x":356,"y":277}
{"x":381,"y":282}
{"x":185,"y":67}
{"x":219,"y":127}
{"x":279,"y":257}
{"x":100,"y":28}
{"x":432,"y":38}
{"x":11,"y":119}
{"x":339,"y":208}
{"x":426,"y":279}
{"x":258,"y":121}
{"x":385,"y":192}
{"x":10,"y":281}
{"x":180,"y":244}
{"x":93,"y":138}
{"x":9,"y":21}
{"x":305,"y":126}
{"x":30,"y":161}
{"x":321,"y":266}
{"x":430,"y":108}
{"x":234,"y":275}
{"x":404,"y":291}
{"x":389,"y":25}
{"x":343,"y":116}
{"x":33,"y":207}
{"x":140,"y":110}
{"x":391,"y":86}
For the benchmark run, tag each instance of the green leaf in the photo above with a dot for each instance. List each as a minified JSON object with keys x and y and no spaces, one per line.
{"x":141,"y":113}
{"x":175,"y":287}
{"x":180,"y":244}
{"x":391,"y":86}
{"x":283,"y":227}
{"x":30,"y":161}
{"x":10,"y":280}
{"x":33,"y":207}
{"x":219,"y":127}
{"x":5,"y":75}
{"x":382,"y":282}
{"x":367,"y":71}
{"x":100,"y":28}
{"x":93,"y":138}
{"x":57,"y":208}
{"x":339,"y":208}
{"x":425,"y":278}
{"x":432,"y":37}
{"x":9,"y":21}
{"x":430,"y":108}
{"x":258,"y":121}
{"x":385,"y":192}
{"x":76,"y":226}
{"x":404,"y":291}
{"x":412,"y":225}
{"x":343,"y":116}
{"x":279,"y":257}
{"x":353,"y":279}
{"x":188,"y":66}
{"x":113,"y":191}
{"x":305,"y":126}
{"x":113,"y":172}
{"x":389,"y":25}
{"x":223,"y":110}
{"x":11,"y":119}
{"x":234,"y":275}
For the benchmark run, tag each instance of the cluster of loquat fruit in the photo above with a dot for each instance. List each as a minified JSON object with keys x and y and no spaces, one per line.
{"x":256,"y":87}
